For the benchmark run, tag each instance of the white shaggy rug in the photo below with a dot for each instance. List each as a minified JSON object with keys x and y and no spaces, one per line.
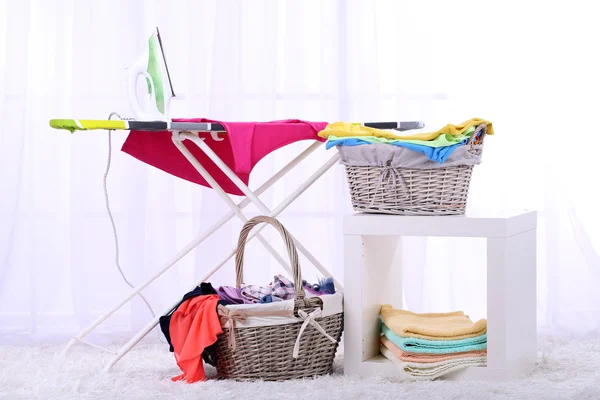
{"x":567,"y":369}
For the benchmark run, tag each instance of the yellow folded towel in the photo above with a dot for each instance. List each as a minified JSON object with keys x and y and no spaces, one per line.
{"x":433,"y":326}
{"x":346,"y":129}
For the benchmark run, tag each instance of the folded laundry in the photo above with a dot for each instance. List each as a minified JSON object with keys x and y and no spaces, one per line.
{"x":433,"y":370}
{"x":345,"y":129}
{"x":428,"y":346}
{"x":432,"y":326}
{"x":427,"y":357}
{"x":442,"y":140}
{"x":383,"y":155}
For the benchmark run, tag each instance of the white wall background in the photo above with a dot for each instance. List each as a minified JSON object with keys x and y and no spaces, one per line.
{"x":530,"y":67}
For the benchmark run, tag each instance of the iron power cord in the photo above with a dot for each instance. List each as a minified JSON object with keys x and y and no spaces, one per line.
{"x":110,"y":216}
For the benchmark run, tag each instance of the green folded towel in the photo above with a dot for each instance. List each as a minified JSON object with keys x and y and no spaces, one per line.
{"x":416,"y":345}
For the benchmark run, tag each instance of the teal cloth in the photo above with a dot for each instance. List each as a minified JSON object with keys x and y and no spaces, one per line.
{"x":426,"y":346}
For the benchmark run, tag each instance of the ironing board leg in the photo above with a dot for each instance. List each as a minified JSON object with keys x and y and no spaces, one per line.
{"x":276,"y":211}
{"x":251,"y":195}
{"x":211,"y":181}
{"x":183,"y":252}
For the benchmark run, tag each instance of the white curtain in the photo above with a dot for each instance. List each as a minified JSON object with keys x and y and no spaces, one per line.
{"x":532,"y":71}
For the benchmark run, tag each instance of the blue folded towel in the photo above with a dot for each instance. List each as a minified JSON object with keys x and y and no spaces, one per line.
{"x":426,"y":346}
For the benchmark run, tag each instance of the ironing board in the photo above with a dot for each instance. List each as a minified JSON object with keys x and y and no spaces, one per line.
{"x":190,"y":148}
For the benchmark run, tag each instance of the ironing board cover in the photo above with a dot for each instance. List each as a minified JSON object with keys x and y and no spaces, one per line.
{"x":244,"y":145}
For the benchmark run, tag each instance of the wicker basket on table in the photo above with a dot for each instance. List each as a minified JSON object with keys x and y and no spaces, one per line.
{"x":437,"y":191}
{"x":283,"y":351}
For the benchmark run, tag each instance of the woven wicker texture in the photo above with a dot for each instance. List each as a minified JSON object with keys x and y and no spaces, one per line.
{"x":404,"y":191}
{"x":267,"y":352}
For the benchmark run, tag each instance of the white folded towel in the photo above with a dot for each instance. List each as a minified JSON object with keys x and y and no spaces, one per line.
{"x":433,"y":370}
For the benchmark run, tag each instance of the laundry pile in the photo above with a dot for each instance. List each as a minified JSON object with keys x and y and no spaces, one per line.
{"x":427,"y":346}
{"x":192,"y":326}
{"x":280,"y":289}
{"x":445,"y":146}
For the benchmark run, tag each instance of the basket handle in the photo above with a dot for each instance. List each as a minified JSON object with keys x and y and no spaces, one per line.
{"x":289,"y":243}
{"x":480,"y":129}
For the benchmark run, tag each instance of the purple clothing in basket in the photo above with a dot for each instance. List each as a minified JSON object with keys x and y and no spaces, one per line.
{"x":232,"y":295}
{"x":283,"y":289}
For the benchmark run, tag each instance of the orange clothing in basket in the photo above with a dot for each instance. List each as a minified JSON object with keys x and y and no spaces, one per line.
{"x":194,"y":326}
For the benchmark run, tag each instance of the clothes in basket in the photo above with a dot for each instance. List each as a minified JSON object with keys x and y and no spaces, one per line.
{"x":420,"y":174}
{"x":192,"y":327}
{"x":437,"y":150}
{"x":345,"y":129}
{"x":383,"y":155}
{"x":281,"y":288}
{"x":441,"y":141}
{"x":304,"y":331}
{"x":435,"y":146}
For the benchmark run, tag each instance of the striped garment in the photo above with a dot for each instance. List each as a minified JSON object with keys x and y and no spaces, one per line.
{"x":281,"y":287}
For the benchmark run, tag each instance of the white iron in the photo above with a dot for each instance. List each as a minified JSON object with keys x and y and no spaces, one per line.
{"x":152,"y":65}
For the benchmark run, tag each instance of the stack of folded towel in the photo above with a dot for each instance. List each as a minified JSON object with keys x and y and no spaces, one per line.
{"x":437,"y":147}
{"x":428,"y":346}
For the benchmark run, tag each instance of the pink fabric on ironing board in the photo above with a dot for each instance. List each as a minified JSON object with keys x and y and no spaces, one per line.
{"x":244,"y":145}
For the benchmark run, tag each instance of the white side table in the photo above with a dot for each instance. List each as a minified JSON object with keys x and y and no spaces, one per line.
{"x":369,"y":247}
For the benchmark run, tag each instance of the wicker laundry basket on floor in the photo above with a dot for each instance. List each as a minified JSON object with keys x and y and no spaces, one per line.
{"x":278,"y":352}
{"x":408,"y":191}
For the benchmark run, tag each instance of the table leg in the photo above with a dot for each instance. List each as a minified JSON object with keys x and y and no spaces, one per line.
{"x":511,"y":303}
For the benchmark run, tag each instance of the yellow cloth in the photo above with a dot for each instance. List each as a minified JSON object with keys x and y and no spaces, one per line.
{"x":346,"y":129}
{"x":434,"y":326}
